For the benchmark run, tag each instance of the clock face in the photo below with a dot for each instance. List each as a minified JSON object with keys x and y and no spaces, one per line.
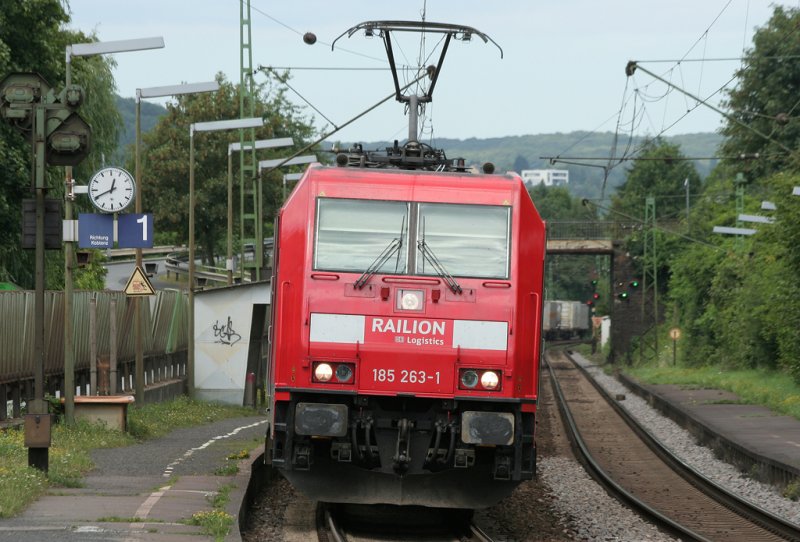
{"x":112,"y":189}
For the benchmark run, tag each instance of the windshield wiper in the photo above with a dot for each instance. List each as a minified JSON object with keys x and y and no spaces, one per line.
{"x":428,"y":254}
{"x":392,"y":248}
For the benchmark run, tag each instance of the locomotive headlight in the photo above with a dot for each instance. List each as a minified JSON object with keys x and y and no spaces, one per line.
{"x":410,"y":300}
{"x":323,"y":372}
{"x":344,"y":373}
{"x":469,"y":379}
{"x":489,"y":380}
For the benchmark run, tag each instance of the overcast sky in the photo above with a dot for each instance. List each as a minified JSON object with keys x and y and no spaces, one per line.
{"x":563,"y":65}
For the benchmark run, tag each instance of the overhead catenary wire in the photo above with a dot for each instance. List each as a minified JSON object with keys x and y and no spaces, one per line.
{"x":641,"y":114}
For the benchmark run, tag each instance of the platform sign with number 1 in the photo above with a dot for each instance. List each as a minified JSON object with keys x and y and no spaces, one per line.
{"x":135,"y":230}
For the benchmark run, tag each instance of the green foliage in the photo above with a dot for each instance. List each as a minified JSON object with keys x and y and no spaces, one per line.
{"x":69,"y":453}
{"x":657,"y":175}
{"x":33,"y":38}
{"x":157,"y":419}
{"x":753,"y":386}
{"x":737,"y":300}
{"x":764,"y":100}
{"x":792,"y":490}
{"x":215,"y":522}
{"x":165,"y":161}
{"x":556,"y":203}
{"x":567,"y":276}
{"x":93,"y":276}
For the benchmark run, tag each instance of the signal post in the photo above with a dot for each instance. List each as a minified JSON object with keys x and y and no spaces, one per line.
{"x":59,"y":137}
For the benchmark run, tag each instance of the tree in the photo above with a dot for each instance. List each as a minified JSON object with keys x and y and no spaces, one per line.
{"x":165,"y":161}
{"x":569,"y":275}
{"x":660,"y":172}
{"x":765,"y":97}
{"x":33,"y":39}
{"x":521,"y":163}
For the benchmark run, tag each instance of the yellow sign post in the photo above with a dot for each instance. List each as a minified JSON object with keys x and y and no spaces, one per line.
{"x":674,"y":334}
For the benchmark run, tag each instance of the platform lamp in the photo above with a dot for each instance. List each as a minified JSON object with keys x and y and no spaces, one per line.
{"x":151,"y":92}
{"x":83,"y":49}
{"x":211,"y":126}
{"x":237,"y":147}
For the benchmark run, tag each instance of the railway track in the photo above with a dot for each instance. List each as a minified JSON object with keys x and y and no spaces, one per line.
{"x":645,"y":476}
{"x":364,"y":523}
{"x":383,"y":523}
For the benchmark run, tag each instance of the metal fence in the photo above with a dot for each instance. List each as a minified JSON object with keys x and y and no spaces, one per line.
{"x":597,"y":229}
{"x":164,"y":317}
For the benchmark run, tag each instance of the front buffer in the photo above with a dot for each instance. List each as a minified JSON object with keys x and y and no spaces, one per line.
{"x":402,"y":450}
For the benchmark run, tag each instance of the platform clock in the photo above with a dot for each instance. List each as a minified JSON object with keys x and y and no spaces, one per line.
{"x":112,"y":189}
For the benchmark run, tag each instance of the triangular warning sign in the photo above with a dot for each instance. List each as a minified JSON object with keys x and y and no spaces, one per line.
{"x":138,"y":284}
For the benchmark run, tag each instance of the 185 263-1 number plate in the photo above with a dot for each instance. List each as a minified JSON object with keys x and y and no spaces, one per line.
{"x":434,"y":380}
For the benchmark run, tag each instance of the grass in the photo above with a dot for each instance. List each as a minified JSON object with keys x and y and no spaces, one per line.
{"x":69,"y":457}
{"x":771,"y":389}
{"x":215,"y":522}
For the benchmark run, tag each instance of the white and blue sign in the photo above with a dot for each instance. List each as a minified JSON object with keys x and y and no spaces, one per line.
{"x":135,"y":230}
{"x":95,"y":231}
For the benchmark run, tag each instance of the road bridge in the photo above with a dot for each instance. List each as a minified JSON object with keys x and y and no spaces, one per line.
{"x":605,"y":238}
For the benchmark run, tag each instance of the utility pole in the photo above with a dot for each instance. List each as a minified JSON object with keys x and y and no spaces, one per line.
{"x":649,"y":344}
{"x":251,"y":217}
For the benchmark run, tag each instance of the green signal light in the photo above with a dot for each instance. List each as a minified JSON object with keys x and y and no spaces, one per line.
{"x":634,"y":284}
{"x":623,"y":295}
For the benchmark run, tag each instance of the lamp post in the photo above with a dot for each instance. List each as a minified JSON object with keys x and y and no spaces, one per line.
{"x":212,"y":126}
{"x":151,"y":92}
{"x":280,"y":162}
{"x":83,"y":49}
{"x":260,"y":144}
{"x":290,"y":177}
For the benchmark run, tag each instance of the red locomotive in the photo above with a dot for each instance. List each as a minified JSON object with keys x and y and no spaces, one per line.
{"x":406,"y":327}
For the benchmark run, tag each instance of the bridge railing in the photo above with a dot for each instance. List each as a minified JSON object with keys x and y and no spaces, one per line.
{"x":603,"y":229}
{"x":597,"y":229}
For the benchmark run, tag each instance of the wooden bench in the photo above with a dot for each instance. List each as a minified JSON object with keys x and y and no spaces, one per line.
{"x":109,"y":409}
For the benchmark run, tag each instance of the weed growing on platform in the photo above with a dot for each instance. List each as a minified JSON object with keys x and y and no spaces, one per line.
{"x":69,"y":457}
{"x":215,"y":523}
{"x":19,"y":484}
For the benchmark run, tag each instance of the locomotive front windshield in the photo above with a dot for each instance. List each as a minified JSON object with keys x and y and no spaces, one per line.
{"x":406,"y":238}
{"x":351,"y":234}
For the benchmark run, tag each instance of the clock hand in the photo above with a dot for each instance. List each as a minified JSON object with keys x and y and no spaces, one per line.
{"x":113,"y":182}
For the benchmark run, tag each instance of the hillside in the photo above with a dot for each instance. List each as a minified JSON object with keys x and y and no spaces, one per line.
{"x":515,"y":153}
{"x":512,"y":153}
{"x":149,"y":117}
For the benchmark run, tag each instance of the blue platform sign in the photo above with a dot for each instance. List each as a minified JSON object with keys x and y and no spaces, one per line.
{"x":135,"y":230}
{"x":95,"y":230}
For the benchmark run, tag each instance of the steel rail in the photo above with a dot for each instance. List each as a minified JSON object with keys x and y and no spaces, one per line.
{"x":600,"y":475}
{"x":733,"y":502}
